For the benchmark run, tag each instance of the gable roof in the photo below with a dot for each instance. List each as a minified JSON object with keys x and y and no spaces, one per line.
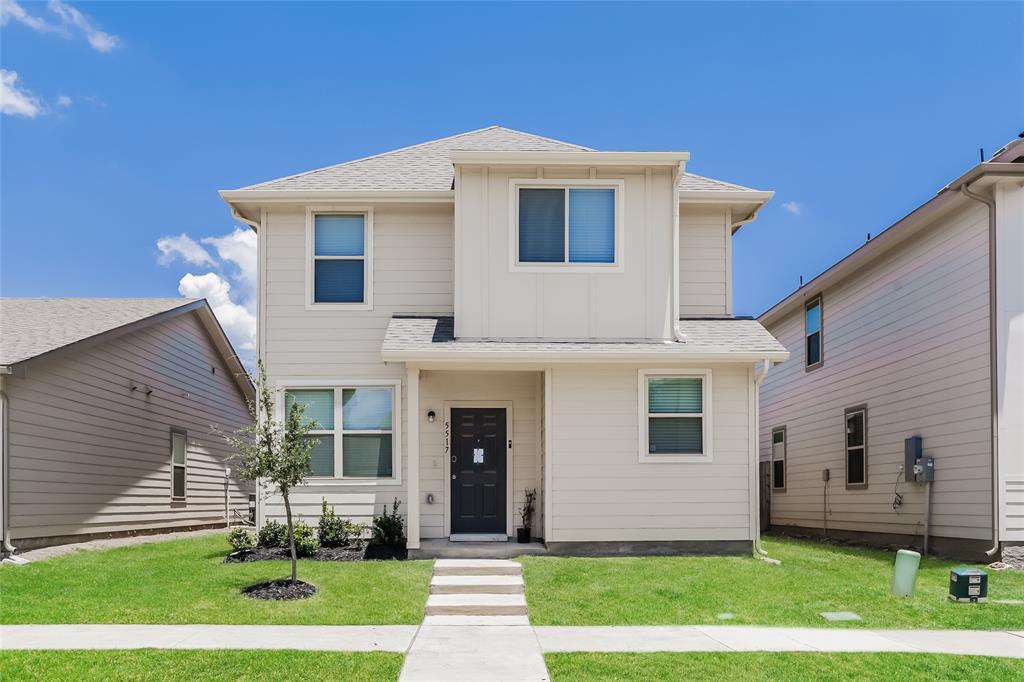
{"x":32,"y":327}
{"x":427,"y":166}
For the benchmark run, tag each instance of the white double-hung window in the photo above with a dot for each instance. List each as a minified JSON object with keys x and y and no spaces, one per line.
{"x":355,"y":429}
{"x":339,"y":272}
{"x":675,"y":410}
{"x":560,"y":224}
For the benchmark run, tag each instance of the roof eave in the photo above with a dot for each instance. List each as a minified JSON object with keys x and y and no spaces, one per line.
{"x":239,"y":196}
{"x":571,"y":158}
{"x":576,"y":356}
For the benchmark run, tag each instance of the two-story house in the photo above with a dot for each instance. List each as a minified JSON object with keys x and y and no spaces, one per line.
{"x":919,"y":335}
{"x":494,"y":312}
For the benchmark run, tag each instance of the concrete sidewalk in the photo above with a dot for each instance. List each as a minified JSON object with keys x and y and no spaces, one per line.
{"x":308,"y":637}
{"x":752,"y":638}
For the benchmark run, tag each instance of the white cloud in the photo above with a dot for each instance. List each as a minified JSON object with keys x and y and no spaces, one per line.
{"x":238,"y":322}
{"x":793,"y":207}
{"x":238,"y":248}
{"x":71,"y":21}
{"x":16,"y":101}
{"x":183,"y":247}
{"x":64,"y":101}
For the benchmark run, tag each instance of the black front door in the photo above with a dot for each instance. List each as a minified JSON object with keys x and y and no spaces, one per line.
{"x":478,"y":470}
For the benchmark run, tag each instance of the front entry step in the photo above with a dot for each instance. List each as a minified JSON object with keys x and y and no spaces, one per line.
{"x":476,"y":584}
{"x":477,"y":567}
{"x":476,"y":605}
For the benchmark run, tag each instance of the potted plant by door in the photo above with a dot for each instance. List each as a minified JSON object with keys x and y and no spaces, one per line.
{"x":526,"y":515}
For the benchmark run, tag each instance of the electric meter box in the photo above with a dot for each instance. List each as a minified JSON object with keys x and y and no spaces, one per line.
{"x":968,"y":585}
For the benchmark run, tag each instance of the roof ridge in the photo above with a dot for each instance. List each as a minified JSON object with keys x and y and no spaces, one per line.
{"x":412,"y":146}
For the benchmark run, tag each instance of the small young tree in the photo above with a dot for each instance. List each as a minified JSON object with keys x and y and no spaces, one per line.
{"x":276,"y":452}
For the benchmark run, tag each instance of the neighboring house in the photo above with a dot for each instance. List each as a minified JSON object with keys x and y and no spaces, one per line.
{"x":109,"y":415}
{"x":920,"y":332}
{"x":492,"y":312}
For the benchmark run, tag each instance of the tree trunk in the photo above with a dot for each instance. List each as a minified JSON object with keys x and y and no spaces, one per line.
{"x":291,"y":533}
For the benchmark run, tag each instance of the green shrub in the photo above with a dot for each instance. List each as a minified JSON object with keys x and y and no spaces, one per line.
{"x":241,"y":538}
{"x":334,"y":531}
{"x":389,"y":529}
{"x":273,"y":534}
{"x":306,"y":543}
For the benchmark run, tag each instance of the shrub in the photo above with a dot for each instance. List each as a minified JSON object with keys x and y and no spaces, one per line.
{"x":241,"y":539}
{"x":334,"y":531}
{"x":306,"y":543}
{"x":273,"y":534}
{"x":389,"y":529}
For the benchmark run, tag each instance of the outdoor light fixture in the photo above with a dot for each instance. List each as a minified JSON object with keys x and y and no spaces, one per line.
{"x":431,"y":416}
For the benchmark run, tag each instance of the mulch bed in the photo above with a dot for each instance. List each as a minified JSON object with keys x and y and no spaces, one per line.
{"x":279,"y":590}
{"x":359,"y":552}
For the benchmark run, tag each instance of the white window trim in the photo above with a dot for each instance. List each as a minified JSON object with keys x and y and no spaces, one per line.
{"x":515,"y":184}
{"x":642,"y":407}
{"x":184,"y":465}
{"x":367,"y":257}
{"x":338,"y":385}
{"x":850,"y":412}
{"x":785,"y":446}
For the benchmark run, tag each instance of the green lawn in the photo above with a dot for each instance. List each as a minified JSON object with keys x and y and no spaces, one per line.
{"x":186,"y":581}
{"x":666,"y":667}
{"x":194,"y":664}
{"x":812,"y":578}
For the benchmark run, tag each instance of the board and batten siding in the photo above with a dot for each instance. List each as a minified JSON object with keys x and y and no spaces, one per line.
{"x":909,"y":337}
{"x":412,"y":274}
{"x":705,"y":267}
{"x":495,"y":301}
{"x":90,"y":456}
{"x":602,"y":492}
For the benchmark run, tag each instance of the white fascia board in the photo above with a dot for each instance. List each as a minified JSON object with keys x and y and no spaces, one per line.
{"x":232,"y":196}
{"x":579,"y":158}
{"x":733,"y":197}
{"x":513,"y":357}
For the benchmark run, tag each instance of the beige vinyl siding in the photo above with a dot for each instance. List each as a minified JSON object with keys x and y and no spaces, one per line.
{"x":88,"y":455}
{"x":909,"y":337}
{"x":495,"y":301}
{"x":602,"y":492}
{"x":412,"y":274}
{"x":704,"y":262}
{"x":437,"y":388}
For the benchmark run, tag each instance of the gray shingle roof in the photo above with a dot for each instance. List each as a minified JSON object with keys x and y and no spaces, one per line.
{"x":426,"y":166}
{"x":32,"y":326}
{"x":703,"y":337}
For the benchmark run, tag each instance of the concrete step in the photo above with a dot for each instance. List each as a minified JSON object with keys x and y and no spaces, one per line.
{"x":476,"y":605}
{"x":476,"y":584}
{"x":476,"y":620}
{"x":477,"y":567}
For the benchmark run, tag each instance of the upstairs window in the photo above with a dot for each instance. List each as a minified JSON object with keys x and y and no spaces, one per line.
{"x":675,"y":416}
{"x":812,"y":333}
{"x":779,"y":458}
{"x":354,"y":430}
{"x":567,"y":225}
{"x":857,"y":447}
{"x":340,"y":273}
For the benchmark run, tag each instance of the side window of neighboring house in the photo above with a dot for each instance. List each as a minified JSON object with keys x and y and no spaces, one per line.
{"x":675,"y":416}
{"x":341,"y":264}
{"x":812,"y":334}
{"x":779,"y":458}
{"x":857,"y":447}
{"x":179,"y":462}
{"x":354,"y":430}
{"x":568,"y":226}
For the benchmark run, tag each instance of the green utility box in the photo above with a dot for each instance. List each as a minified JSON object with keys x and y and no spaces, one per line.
{"x":968,"y":584}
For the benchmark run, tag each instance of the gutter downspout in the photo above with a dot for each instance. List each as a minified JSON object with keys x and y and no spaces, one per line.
{"x":7,"y":549}
{"x":993,"y":357}
{"x":677,"y":334}
{"x":753,"y":216}
{"x":760,"y":553}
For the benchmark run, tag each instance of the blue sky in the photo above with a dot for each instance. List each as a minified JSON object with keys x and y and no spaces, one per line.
{"x":125,"y":118}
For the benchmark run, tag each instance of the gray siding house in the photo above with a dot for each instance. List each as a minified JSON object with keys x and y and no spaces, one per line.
{"x":109,"y":408}
{"x":917,"y":333}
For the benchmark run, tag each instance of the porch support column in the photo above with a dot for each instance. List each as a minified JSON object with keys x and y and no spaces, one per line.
{"x":412,"y":376}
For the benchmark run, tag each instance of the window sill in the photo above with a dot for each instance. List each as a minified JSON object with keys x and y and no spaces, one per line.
{"x":339,"y":306}
{"x":559,"y":268}
{"x":675,"y":459}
